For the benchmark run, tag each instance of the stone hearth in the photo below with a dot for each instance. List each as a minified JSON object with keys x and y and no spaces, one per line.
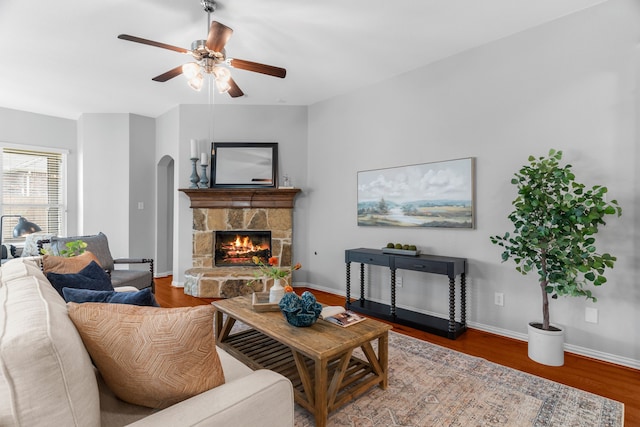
{"x":236,"y":209}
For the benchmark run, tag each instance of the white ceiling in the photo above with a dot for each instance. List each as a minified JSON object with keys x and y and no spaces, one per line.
{"x":62,"y":58}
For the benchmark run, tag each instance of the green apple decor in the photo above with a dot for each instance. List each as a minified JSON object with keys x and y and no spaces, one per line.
{"x":555,"y":222}
{"x":401,"y":246}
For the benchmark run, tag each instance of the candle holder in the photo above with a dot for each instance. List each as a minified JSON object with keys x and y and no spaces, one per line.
{"x":194,"y":173}
{"x":204,"y":182}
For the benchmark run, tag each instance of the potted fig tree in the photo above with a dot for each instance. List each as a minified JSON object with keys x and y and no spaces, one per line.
{"x":555,"y":221}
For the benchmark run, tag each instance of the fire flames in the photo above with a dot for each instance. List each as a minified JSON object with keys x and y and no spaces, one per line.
{"x":237,"y":248}
{"x":241,"y":246}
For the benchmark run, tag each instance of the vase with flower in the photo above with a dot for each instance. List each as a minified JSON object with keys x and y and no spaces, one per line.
{"x":273,"y":271}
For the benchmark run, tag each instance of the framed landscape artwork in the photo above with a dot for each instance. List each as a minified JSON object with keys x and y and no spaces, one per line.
{"x":439,"y":194}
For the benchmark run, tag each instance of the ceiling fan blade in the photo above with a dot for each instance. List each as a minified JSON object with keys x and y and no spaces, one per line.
{"x":219,"y":35}
{"x":234,"y":91}
{"x":169,"y":74}
{"x":256,"y":67}
{"x":152,"y":43}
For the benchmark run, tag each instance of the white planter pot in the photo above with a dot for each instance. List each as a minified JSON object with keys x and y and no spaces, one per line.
{"x":546,"y":347}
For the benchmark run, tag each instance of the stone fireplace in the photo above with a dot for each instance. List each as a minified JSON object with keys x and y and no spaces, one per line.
{"x":235,"y":210}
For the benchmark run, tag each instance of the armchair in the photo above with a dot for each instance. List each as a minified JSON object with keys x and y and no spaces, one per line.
{"x":99,"y":246}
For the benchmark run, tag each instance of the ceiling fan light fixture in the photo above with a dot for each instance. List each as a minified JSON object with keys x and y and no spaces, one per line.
{"x":222,"y":74}
{"x":196,"y":82}
{"x":223,"y":85}
{"x":208,"y":54}
{"x":190,"y":70}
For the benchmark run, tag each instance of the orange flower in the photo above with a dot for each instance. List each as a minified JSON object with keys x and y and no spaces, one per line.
{"x":288,"y":288}
{"x":272,"y":270}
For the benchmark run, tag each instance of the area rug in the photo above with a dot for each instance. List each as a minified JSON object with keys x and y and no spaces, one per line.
{"x":433,"y":386}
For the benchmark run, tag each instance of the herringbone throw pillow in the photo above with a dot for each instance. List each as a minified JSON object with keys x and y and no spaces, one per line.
{"x":150,"y":356}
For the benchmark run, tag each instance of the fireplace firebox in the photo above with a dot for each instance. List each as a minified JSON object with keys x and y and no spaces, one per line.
{"x":236,"y":248}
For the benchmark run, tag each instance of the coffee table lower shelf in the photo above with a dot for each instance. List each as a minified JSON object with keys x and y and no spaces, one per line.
{"x":259,"y":351}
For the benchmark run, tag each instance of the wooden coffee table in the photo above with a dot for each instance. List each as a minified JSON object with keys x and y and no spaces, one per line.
{"x":318,"y":360}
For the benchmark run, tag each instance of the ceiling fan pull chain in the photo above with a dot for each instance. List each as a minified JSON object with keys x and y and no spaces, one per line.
{"x":211,"y":99}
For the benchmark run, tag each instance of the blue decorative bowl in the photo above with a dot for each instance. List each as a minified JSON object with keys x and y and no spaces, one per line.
{"x":300,"y":311}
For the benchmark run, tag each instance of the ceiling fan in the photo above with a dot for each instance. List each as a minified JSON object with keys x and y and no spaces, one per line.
{"x":210,"y":58}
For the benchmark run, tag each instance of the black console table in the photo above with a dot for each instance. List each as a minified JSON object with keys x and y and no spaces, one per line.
{"x":448,"y":266}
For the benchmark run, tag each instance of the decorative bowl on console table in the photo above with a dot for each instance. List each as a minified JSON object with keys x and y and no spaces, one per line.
{"x":401,"y":251}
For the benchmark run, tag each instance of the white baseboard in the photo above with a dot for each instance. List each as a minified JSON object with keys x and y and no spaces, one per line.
{"x":600,"y":355}
{"x":571,"y":348}
{"x":177,"y":284}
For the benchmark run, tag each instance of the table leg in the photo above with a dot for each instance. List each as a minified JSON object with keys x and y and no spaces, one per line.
{"x":348,"y":285}
{"x":336,"y":381}
{"x":378,"y":363}
{"x":383,"y":356}
{"x":463,"y":300}
{"x":221,"y":329}
{"x":217,"y":325}
{"x":452,"y":306}
{"x":393,"y":293}
{"x":361,"y":284}
{"x":321,"y":411}
{"x":304,"y":378}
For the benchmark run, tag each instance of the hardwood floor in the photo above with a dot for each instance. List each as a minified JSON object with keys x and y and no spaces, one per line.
{"x":606,"y":379}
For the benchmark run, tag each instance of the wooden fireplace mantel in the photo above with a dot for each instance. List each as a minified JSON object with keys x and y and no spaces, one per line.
{"x":241,"y":197}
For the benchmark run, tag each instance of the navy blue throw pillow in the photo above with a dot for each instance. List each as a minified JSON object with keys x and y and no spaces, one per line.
{"x":91,"y":277}
{"x":143,"y":297}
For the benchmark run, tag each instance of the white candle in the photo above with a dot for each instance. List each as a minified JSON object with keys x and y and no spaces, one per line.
{"x":194,"y":149}
{"x":204,"y":159}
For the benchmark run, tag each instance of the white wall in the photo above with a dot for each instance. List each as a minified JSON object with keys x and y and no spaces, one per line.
{"x":168,"y":146}
{"x":30,"y":129}
{"x":142,"y":184}
{"x":104,"y":194}
{"x":116,"y":172}
{"x":569,"y":85}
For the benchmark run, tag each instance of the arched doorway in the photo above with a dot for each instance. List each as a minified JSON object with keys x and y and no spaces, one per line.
{"x":164,"y":231}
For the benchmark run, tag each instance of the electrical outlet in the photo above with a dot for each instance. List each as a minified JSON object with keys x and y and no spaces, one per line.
{"x":399,"y":281}
{"x":591,"y":315}
{"x":498,"y":299}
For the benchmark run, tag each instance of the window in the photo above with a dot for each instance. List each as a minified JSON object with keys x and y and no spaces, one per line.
{"x":33,"y":186}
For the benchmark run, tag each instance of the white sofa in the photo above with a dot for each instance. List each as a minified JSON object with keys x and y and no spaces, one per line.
{"x":47,"y":378}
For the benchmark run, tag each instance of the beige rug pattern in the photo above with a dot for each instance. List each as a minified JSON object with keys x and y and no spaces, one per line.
{"x":433,"y":386}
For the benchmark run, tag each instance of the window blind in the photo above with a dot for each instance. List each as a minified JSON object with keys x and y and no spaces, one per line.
{"x":33,"y":187}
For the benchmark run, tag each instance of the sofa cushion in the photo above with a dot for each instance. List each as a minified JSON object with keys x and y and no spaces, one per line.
{"x":116,"y":412}
{"x":46,"y":375}
{"x":144,"y":297}
{"x":151,"y":356}
{"x":90,"y":277}
{"x":139,"y":279}
{"x":66,"y":265}
{"x":96,"y":244}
